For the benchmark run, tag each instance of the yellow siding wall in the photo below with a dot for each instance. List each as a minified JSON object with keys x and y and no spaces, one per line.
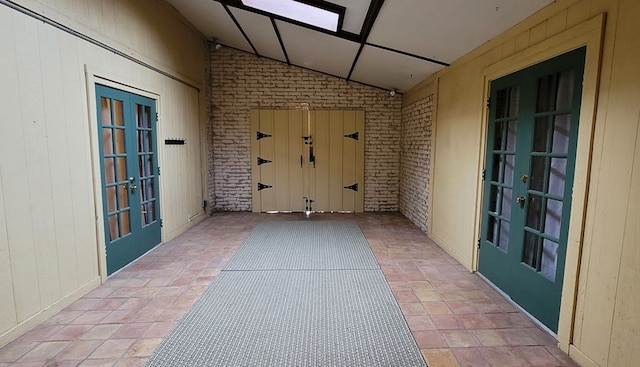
{"x":604,"y":329}
{"x":51,"y":235}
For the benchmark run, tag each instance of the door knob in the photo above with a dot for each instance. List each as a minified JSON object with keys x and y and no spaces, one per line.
{"x":521,"y":200}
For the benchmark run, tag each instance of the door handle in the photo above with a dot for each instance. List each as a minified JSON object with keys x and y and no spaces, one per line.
{"x":521,"y":200}
{"x":132,"y":186}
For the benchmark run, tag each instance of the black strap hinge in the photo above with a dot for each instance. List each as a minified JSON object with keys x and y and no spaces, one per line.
{"x":261,"y":135}
{"x":262,"y":186}
{"x":354,"y":136}
{"x":262,"y":161}
{"x":353,"y":187}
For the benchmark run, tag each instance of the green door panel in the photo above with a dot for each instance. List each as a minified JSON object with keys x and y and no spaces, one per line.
{"x":128,"y":163}
{"x":530,"y":160}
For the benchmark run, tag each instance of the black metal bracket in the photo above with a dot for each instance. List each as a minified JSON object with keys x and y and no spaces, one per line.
{"x":261,"y":135}
{"x":262,"y":186}
{"x":353,"y":187}
{"x":354,"y":136}
{"x":262,"y":161}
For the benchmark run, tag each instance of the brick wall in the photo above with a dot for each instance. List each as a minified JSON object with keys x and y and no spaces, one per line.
{"x":241,"y":82}
{"x":415,"y":158}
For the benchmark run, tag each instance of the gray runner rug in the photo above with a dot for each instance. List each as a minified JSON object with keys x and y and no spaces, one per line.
{"x":295,"y":294}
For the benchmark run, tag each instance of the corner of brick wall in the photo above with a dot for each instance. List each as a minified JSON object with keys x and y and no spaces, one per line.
{"x":415,"y":158}
{"x":241,"y":82}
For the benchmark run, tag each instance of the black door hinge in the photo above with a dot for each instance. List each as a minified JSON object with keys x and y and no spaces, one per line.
{"x":353,"y":187}
{"x":484,"y":173}
{"x":478,"y":242}
{"x":354,"y":136}
{"x":488,"y":103}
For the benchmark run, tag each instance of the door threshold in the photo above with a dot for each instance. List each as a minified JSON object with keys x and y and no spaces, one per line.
{"x":514,"y":304}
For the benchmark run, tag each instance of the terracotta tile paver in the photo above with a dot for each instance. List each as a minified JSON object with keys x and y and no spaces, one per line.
{"x":456,"y":318}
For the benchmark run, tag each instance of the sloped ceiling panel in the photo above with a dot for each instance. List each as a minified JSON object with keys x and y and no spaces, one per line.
{"x":261,"y":33}
{"x":212,"y":20}
{"x":318,"y":51}
{"x":445,"y":30}
{"x":373,"y":69}
{"x":355,"y":14}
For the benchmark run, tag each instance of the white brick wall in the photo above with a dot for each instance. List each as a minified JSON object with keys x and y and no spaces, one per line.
{"x":415,"y":158}
{"x":241,"y":82}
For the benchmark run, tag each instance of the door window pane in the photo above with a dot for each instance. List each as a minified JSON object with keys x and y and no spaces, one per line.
{"x":120,"y":148}
{"x":144,"y":141}
{"x":549,"y":259}
{"x":496,"y":174}
{"x":546,"y":93}
{"x":541,"y":134}
{"x":557,"y":176}
{"x":536,"y":179}
{"x":113,"y":227}
{"x":507,"y":103}
{"x":111,"y":199}
{"x":107,"y":140}
{"x":503,"y":244}
{"x":143,"y":116}
{"x":148,"y":213}
{"x":509,"y":168}
{"x":125,"y":223}
{"x":124,"y":196}
{"x":565,"y":90}
{"x":561,"y":128}
{"x":145,"y":165}
{"x":512,"y":128}
{"x":506,"y":203}
{"x":105,"y":111}
{"x":122,"y":168}
{"x":529,"y":254}
{"x":109,"y":170}
{"x":534,"y":210}
{"x":553,"y":218}
{"x":492,"y":230}
{"x":118,"y":113}
{"x":494,"y":198}
{"x":498,"y":134}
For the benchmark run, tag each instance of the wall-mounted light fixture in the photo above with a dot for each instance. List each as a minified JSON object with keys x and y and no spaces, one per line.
{"x":393,"y":92}
{"x":217,"y":44}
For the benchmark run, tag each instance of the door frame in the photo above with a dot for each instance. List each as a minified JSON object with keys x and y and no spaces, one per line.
{"x":95,"y":76}
{"x":589,"y":34}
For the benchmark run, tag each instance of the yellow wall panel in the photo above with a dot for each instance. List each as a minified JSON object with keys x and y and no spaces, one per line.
{"x":281,"y":164}
{"x":349,"y":164}
{"x":296,"y":160}
{"x":600,"y":328}
{"x":322,"y":148}
{"x":8,"y":305}
{"x":267,"y":171}
{"x":336,"y":153}
{"x":54,"y":239}
{"x":256,"y":203}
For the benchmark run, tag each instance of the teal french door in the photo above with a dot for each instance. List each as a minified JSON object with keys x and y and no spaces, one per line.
{"x":129,"y":166}
{"x":530,"y":161}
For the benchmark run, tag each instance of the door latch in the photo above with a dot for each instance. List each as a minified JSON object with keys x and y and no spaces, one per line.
{"x":521,"y":200}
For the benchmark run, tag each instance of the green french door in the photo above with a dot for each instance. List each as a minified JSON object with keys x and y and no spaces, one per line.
{"x":129,"y":166}
{"x":530,"y":160}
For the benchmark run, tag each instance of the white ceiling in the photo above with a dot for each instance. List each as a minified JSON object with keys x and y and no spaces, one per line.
{"x":392,"y":44}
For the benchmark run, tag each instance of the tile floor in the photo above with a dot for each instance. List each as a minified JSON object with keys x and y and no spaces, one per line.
{"x":454,"y":316}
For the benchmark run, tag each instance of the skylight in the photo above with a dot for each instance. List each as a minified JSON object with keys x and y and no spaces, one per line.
{"x":298,"y":11}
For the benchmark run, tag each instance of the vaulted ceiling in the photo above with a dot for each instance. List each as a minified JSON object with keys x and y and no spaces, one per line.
{"x":392,"y":44}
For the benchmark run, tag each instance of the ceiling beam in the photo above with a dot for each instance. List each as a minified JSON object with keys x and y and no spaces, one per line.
{"x":409,"y":54}
{"x":284,"y":49}
{"x":246,"y":37}
{"x":372,"y":15}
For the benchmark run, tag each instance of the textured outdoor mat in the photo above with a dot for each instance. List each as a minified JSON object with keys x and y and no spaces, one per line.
{"x":294,"y":317}
{"x":304,"y":245}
